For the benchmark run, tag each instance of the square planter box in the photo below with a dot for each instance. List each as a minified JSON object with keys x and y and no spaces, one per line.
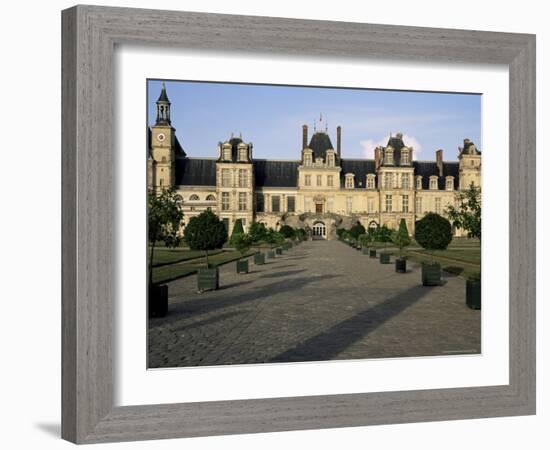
{"x":365,"y":251}
{"x":473,"y":294}
{"x":279,"y":251}
{"x":372,"y":253}
{"x":208,"y":279}
{"x":242,"y":266}
{"x":270,"y":254}
{"x":431,"y":274}
{"x":259,"y":259}
{"x":384,"y":258}
{"x":401,"y":265}
{"x":158,"y":300}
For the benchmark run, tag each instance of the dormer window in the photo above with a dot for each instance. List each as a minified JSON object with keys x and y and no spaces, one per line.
{"x":308,"y":158}
{"x":433,"y":182}
{"x":449,"y":183}
{"x":226,"y":152}
{"x":389,"y":155}
{"x":349,"y":181}
{"x":330,"y":159}
{"x":243,"y":153}
{"x":370,"y":181}
{"x":419,"y":182}
{"x":405,"y":160}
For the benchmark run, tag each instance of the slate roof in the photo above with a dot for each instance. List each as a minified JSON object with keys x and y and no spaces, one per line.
{"x":360,"y":168}
{"x":396,"y":142}
{"x":320,"y":143}
{"x":196,"y":172}
{"x":268,"y":173}
{"x":163,"y":97}
{"x":428,"y":168}
{"x":469,"y":148}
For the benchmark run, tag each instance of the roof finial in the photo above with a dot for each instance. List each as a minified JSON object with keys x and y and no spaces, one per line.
{"x":240,"y":134}
{"x":314,"y":125}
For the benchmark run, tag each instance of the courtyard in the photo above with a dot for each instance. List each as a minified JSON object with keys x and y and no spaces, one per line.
{"x":321,"y":300}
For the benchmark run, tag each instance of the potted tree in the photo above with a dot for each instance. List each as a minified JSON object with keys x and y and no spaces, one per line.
{"x":433,"y":232}
{"x":237,"y":229}
{"x":164,"y":220}
{"x":272,"y":238}
{"x":242,"y":243}
{"x":288,"y":233}
{"x":401,"y":239}
{"x":467,"y":215}
{"x":258,"y":233}
{"x":206,"y":232}
{"x":356,"y":231}
{"x":365,"y":240}
{"x":384,"y":235}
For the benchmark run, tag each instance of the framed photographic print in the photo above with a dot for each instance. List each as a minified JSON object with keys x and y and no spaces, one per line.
{"x":265,"y":230}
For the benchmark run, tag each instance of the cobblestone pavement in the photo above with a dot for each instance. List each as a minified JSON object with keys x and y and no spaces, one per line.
{"x":318,"y":301}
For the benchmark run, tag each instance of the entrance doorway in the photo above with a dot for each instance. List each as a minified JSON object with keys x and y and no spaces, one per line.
{"x":319,"y":230}
{"x":319,"y":208}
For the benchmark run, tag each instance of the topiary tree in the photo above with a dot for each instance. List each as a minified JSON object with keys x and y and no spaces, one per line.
{"x":242,"y":243}
{"x":383,"y":234}
{"x":467,"y":215}
{"x":365,"y":239}
{"x":401,"y":237}
{"x":164,"y":220}
{"x":237,"y":230}
{"x":340,"y":232}
{"x":301,"y":234}
{"x":287,"y":231}
{"x":258,"y":231}
{"x":205,"y":232}
{"x":433,"y":232}
{"x":357,"y":230}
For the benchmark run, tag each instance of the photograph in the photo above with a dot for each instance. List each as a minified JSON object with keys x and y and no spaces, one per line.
{"x":290,"y":224}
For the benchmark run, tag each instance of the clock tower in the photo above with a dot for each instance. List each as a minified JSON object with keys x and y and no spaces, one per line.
{"x":161,"y":163}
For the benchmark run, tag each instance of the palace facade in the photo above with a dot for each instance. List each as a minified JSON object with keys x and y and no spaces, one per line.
{"x":320,"y":191}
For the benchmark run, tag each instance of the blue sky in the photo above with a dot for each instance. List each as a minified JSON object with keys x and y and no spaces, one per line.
{"x":272,"y":117}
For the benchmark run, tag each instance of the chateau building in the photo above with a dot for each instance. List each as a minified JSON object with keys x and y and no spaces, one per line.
{"x":321,"y":191}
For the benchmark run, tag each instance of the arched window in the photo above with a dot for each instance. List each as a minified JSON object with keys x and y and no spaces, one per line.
{"x":370,"y":181}
{"x":433,"y":182}
{"x":349,"y":181}
{"x":243,"y":153}
{"x":193,"y":198}
{"x":211,"y":198}
{"x":419,"y":182}
{"x":389,"y":156}
{"x":449,"y":183}
{"x":405,"y":157}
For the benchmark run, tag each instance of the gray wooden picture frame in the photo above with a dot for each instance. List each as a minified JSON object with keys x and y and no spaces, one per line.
{"x":90,"y":34}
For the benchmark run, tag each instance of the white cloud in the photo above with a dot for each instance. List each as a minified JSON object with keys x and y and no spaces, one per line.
{"x":369,"y":145}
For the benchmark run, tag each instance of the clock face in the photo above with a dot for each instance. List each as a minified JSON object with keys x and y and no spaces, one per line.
{"x":161,"y":137}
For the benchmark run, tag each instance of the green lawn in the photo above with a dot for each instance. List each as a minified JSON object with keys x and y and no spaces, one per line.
{"x":169,"y":272}
{"x":163,"y":256}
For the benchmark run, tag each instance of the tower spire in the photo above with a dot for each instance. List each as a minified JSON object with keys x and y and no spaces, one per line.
{"x":163,"y":107}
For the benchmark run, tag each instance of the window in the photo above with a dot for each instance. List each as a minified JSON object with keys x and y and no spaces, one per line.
{"x":389,"y":156}
{"x":242,"y":201}
{"x":161,"y":182}
{"x":405,"y":204}
{"x":370,"y":182}
{"x":330,"y":160}
{"x":418,"y":205}
{"x":418,"y":183}
{"x":194,"y":198}
{"x":243,"y":178}
{"x":307,"y":159}
{"x":225,"y":201}
{"x":260,"y":203}
{"x":319,"y":180}
{"x":449,"y":183}
{"x":349,"y":181}
{"x":308,"y":180}
{"x":388,"y":180}
{"x":243,"y":154}
{"x":370,"y":205}
{"x":276,"y":203}
{"x":349,"y":205}
{"x":433,"y":182}
{"x":211,"y":198}
{"x":226,"y":153}
{"x":404,"y":157}
{"x":405,"y":181}
{"x":226,"y":223}
{"x":226,"y":178}
{"x":472,"y":162}
{"x":438,"y":205}
{"x":389,"y":206}
{"x":291,"y":203}
{"x":330,"y":180}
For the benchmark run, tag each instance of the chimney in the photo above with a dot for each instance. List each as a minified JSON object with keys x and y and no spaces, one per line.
{"x":377,"y":158}
{"x":304,"y":136}
{"x":339,"y":141}
{"x":439,"y":161}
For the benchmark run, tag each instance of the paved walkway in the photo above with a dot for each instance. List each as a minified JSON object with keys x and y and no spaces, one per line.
{"x":318,"y":301}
